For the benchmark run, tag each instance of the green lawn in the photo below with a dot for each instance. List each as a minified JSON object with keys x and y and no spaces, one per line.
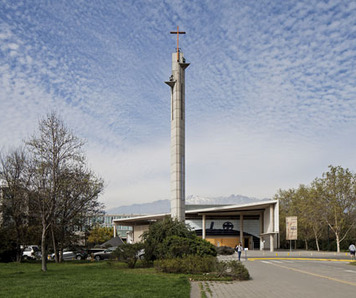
{"x":98,"y":279}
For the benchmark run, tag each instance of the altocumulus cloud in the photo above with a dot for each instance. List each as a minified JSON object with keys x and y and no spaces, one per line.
{"x":270,"y":90}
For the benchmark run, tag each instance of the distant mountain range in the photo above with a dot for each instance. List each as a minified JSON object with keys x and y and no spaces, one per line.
{"x":163,"y":206}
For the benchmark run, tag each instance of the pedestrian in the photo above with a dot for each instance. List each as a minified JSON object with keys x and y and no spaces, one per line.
{"x":352,"y":250}
{"x":239,"y":249}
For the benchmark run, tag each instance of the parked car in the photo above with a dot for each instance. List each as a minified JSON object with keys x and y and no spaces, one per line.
{"x":69,"y":255}
{"x":141,"y":254}
{"x":104,"y":255}
{"x":31,"y":252}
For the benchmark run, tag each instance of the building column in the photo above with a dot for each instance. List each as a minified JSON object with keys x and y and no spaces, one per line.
{"x":271,"y":237}
{"x":241,"y":228}
{"x":203,"y":226}
{"x":261,"y":232}
{"x":114,"y":230}
{"x":271,"y":242}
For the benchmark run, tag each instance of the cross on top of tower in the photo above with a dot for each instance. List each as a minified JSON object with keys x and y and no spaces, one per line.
{"x":177,"y":32}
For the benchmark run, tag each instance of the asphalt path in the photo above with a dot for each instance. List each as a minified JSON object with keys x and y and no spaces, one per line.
{"x":290,"y":276}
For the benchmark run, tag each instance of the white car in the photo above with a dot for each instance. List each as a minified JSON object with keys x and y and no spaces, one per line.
{"x":31,"y":252}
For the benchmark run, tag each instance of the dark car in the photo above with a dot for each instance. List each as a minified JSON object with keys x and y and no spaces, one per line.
{"x":72,"y":255}
{"x":104,"y":255}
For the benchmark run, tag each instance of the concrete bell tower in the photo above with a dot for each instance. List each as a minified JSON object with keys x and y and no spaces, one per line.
{"x":177,"y":84}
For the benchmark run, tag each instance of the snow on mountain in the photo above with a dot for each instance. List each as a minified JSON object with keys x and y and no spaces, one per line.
{"x":163,"y":206}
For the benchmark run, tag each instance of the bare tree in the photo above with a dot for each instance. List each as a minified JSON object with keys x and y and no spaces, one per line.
{"x":79,"y":191}
{"x":54,"y":150}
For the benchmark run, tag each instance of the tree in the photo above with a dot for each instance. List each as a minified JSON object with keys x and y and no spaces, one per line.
{"x":78,"y":191}
{"x":99,"y":235}
{"x":15,"y":206}
{"x":309,"y":215}
{"x":336,"y":191}
{"x":56,"y":156}
{"x":301,"y":202}
{"x":330,"y":200}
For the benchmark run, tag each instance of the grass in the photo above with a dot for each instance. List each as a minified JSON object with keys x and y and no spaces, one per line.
{"x":80,"y":279}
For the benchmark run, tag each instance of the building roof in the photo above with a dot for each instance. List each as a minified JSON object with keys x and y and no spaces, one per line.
{"x":222,"y":210}
{"x":115,"y":241}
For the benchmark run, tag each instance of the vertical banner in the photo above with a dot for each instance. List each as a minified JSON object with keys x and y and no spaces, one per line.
{"x":292,"y":228}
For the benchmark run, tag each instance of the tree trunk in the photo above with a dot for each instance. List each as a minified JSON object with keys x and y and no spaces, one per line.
{"x":18,"y":248}
{"x":337,"y":241}
{"x":306,"y":244}
{"x":316,"y":239}
{"x":54,"y":246}
{"x":317,"y":243}
{"x":43,"y":248}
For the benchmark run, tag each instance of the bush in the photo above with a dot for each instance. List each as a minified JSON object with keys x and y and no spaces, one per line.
{"x":188,"y":265}
{"x":233,"y":269}
{"x":128,"y":253}
{"x":178,"y":247}
{"x":225,"y":250}
{"x":201,"y":265}
{"x":161,"y":230}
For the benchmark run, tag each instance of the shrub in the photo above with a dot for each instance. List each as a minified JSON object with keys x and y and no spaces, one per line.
{"x":199,"y":265}
{"x":189,"y":265}
{"x":233,"y":269}
{"x":159,"y":231}
{"x":225,"y":250}
{"x":177,"y":247}
{"x":128,"y":253}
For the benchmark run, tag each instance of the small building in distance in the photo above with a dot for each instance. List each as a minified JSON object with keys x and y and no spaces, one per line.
{"x":107,"y":220}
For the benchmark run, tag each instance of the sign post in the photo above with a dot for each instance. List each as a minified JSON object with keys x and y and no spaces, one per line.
{"x":291,"y":229}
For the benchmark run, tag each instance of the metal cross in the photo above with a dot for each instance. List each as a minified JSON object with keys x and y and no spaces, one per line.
{"x":177,"y":32}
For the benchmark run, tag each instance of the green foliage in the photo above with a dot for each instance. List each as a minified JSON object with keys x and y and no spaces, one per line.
{"x":128,"y":253}
{"x":233,"y":269}
{"x":177,"y":247}
{"x":8,"y":245}
{"x":100,"y":235}
{"x":225,"y":250}
{"x":326,"y":209}
{"x":193,"y":264}
{"x":161,"y":230}
{"x":189,"y":265}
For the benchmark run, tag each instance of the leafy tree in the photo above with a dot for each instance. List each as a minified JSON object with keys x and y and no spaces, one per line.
{"x":99,"y":235}
{"x":337,"y":194}
{"x":330,"y":200}
{"x":15,"y":202}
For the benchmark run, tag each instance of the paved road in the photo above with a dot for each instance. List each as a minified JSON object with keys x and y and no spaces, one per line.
{"x":302,"y":276}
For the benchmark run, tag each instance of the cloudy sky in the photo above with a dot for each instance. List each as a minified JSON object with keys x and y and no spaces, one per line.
{"x":270,"y":92}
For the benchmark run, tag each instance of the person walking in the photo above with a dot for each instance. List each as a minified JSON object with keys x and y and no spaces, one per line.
{"x":352,"y":250}
{"x":239,"y":249}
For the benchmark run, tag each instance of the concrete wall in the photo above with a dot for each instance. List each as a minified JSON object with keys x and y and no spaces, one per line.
{"x":138,"y":231}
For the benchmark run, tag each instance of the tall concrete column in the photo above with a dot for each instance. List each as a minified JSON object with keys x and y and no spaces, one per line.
{"x":177,"y":84}
{"x":203,"y":227}
{"x":271,"y":237}
{"x":242,"y":229}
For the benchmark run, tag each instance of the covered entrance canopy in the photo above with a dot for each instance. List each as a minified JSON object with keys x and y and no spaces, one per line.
{"x":256,"y":225}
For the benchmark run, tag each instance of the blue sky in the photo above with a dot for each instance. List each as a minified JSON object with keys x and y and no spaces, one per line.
{"x":270,"y":92}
